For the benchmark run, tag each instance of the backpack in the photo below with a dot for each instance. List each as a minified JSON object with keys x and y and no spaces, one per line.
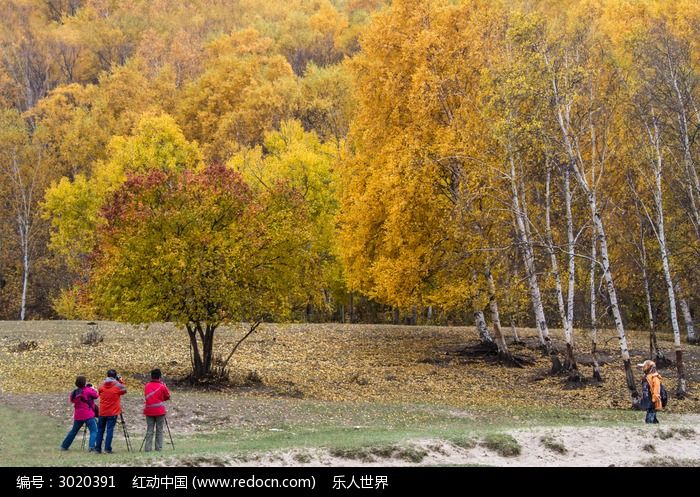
{"x":664,"y":396}
{"x":646,"y":392}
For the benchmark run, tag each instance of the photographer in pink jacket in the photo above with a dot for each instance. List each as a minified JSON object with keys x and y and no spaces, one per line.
{"x":83,"y":400}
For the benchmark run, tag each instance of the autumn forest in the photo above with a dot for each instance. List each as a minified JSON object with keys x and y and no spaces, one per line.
{"x":500,"y":164}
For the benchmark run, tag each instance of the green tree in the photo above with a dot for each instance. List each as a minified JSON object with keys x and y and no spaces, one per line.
{"x":200,"y":248}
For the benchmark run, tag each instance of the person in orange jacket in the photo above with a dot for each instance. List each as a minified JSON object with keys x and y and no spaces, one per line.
{"x":111,"y":392}
{"x":155,"y":393}
{"x":651,"y":391}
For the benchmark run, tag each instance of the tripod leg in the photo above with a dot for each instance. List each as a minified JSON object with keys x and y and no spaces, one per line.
{"x":82,"y":445}
{"x":126,"y":433}
{"x":169,"y":434}
{"x":143,"y":441}
{"x":129,"y":447}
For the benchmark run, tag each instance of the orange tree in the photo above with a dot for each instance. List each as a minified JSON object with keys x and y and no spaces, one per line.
{"x":201,"y":249}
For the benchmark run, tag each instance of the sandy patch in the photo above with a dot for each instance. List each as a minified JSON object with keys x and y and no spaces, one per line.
{"x":674,"y":444}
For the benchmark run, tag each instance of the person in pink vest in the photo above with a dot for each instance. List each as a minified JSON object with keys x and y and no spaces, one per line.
{"x":155,"y":393}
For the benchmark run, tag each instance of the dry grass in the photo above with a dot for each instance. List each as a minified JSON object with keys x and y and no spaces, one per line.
{"x":330,"y":362}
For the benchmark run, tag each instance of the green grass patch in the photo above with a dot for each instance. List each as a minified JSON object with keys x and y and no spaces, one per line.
{"x":502,"y":443}
{"x":302,"y":457}
{"x":357,"y":453}
{"x":356,"y":431}
{"x":410,"y":454}
{"x":463,"y":442}
{"x":553,"y":444}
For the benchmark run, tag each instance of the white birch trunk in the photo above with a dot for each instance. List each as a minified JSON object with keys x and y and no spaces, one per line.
{"x":594,"y":318}
{"x":689,"y":324}
{"x":610,"y":284}
{"x":529,"y":262}
{"x":562,"y":115}
{"x":654,"y":352}
{"x":22,"y":191}
{"x":495,"y":316}
{"x":660,"y":231}
{"x":687,"y":315}
{"x":480,"y":323}
{"x":571,"y":255}
{"x":661,"y":236}
{"x":514,"y":330}
{"x":683,"y":127}
{"x":570,"y":361}
{"x":25,"y":275}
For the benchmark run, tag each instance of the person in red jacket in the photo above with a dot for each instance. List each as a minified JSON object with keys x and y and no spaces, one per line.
{"x":155,"y":393}
{"x":111,"y":392}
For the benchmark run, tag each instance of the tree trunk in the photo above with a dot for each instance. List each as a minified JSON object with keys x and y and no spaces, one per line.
{"x":309,"y":312}
{"x":201,"y":355}
{"x":250,"y":331}
{"x":687,"y":316}
{"x":693,"y":181}
{"x":496,"y":318}
{"x":562,"y":109}
{"x":530,"y":270}
{"x":655,"y":353}
{"x":653,"y":344}
{"x":480,"y":323}
{"x":395,"y":315}
{"x":414,"y":316}
{"x":195,"y":356}
{"x":594,"y":318}
{"x":514,"y":330}
{"x":612,"y":295}
{"x":25,"y":278}
{"x":208,"y":348}
{"x":571,"y":257}
{"x":430,"y":314}
{"x":570,"y":359}
{"x":663,"y":248}
{"x":351,"y":308}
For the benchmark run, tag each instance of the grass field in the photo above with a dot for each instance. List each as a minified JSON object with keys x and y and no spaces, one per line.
{"x":337,"y":394}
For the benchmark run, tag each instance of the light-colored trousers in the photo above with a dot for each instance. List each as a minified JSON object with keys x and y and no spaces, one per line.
{"x":157,"y":422}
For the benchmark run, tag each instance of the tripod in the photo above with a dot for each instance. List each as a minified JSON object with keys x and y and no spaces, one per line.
{"x":165,"y":418}
{"x":127,"y":438}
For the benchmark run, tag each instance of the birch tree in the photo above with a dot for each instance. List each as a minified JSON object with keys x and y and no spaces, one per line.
{"x":565,"y":311}
{"x":22,"y":171}
{"x":582,"y":93}
{"x":651,"y":79}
